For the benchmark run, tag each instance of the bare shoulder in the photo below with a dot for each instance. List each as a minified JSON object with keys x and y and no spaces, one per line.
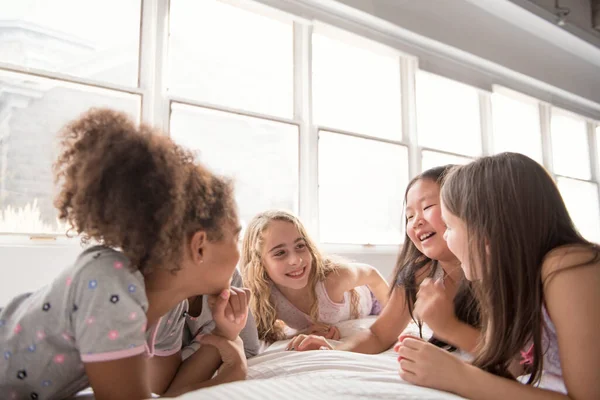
{"x":565,"y":257}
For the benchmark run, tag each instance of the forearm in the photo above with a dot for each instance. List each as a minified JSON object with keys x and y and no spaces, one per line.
{"x":217,"y":380}
{"x":478,"y":384}
{"x":198,"y":368}
{"x":461,"y":335}
{"x":365,"y":342}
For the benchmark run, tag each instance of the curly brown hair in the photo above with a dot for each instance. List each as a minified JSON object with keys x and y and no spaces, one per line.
{"x":133,"y":188}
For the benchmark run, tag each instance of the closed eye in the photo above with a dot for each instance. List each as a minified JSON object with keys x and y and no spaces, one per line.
{"x":279,"y":253}
{"x":429,"y":206}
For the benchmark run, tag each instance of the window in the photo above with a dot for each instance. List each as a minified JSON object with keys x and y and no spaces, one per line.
{"x":356,"y":85}
{"x":516,"y":124}
{"x":570,"y":152}
{"x":581,"y":199}
{"x":447,"y":115}
{"x":230,"y":56}
{"x":260,"y":155}
{"x":98,"y":40}
{"x":431,"y":159}
{"x":361,"y":189}
{"x":32,"y":111}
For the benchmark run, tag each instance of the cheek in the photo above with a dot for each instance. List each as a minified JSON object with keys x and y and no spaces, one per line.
{"x":435,"y":220}
{"x":272,"y":267}
{"x":412,"y":236}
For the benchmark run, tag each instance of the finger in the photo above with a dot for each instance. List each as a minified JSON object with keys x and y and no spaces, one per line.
{"x":229,"y":314}
{"x":397,"y":346}
{"x":407,"y":366}
{"x":407,"y":335}
{"x":439,"y":284}
{"x":426,"y":282}
{"x":335,"y":333}
{"x":312,"y":341}
{"x":413,"y":343}
{"x":219,"y":303}
{"x":407,"y":376}
{"x":293,"y":344}
{"x":238,"y":303}
{"x":248,"y":295}
{"x":407,"y":353}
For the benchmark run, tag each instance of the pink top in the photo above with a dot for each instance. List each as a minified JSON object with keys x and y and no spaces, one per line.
{"x":330,"y":313}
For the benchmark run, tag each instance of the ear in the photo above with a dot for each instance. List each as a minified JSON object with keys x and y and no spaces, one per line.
{"x":487,"y":247}
{"x":197,"y":246}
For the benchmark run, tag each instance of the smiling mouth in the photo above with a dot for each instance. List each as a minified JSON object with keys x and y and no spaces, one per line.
{"x":424,"y":237}
{"x":297,"y":274}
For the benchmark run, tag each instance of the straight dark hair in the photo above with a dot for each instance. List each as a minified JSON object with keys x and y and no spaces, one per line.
{"x":411,"y":261}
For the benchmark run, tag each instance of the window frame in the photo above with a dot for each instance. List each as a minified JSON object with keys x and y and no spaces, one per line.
{"x":156,"y":106}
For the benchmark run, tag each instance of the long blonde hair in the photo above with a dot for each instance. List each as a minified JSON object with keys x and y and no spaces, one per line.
{"x":255,"y":276}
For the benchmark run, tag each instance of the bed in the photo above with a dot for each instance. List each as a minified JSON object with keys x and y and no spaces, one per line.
{"x":280,"y":374}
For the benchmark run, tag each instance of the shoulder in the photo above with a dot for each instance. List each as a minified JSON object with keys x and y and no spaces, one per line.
{"x":568,"y":256}
{"x":345,"y":271}
{"x":100,"y":270}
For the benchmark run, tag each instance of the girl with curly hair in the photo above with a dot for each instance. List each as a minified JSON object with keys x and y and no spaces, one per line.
{"x":166,"y":229}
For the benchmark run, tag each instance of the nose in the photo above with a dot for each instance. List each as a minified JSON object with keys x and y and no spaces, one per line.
{"x":294,"y":259}
{"x":418,"y":220}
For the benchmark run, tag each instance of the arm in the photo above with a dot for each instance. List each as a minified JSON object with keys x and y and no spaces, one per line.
{"x":571,"y":296}
{"x":357,"y":275}
{"x":231,"y":357}
{"x":385,"y":330}
{"x":249,"y":333}
{"x":460,"y":335}
{"x":198,"y":368}
{"x":435,"y":307}
{"x":379,"y":337}
{"x":123,"y":379}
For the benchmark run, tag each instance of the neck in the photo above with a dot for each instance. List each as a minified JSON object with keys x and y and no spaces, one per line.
{"x":452,"y":269}
{"x":295,"y":296}
{"x":164,"y":292}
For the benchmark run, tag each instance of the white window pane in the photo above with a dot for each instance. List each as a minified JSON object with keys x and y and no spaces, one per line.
{"x":581,"y":199}
{"x":447,"y":115}
{"x":226,"y":55}
{"x":431,"y":159}
{"x":570,"y":153}
{"x":32,"y":111}
{"x":354,"y":88}
{"x":598,"y":144}
{"x":91,"y":39}
{"x":260,"y":155}
{"x":361,"y":189}
{"x":516,"y":126}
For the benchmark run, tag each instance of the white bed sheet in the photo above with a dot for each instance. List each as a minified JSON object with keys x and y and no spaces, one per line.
{"x":280,"y":374}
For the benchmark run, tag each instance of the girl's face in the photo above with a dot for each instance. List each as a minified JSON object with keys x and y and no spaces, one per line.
{"x":219,"y":260}
{"x":424,"y":224}
{"x":285,"y":255}
{"x":457,"y":239}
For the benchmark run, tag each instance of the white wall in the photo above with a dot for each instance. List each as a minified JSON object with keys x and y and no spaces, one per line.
{"x":25,"y":268}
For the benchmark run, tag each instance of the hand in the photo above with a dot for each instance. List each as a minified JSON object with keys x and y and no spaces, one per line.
{"x":234,"y":366}
{"x":435,"y":307}
{"x":230,"y":311}
{"x":308,"y":342}
{"x":328,"y":332}
{"x":424,"y":364}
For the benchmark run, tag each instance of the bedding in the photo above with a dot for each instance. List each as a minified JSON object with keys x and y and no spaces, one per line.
{"x":324,"y":374}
